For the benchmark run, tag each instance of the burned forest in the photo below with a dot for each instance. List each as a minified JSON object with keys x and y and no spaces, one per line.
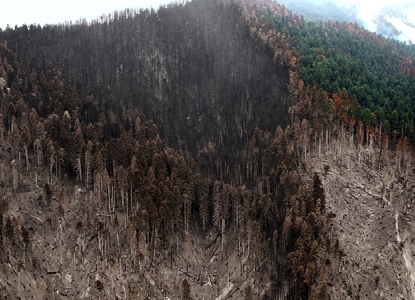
{"x":213,"y":149}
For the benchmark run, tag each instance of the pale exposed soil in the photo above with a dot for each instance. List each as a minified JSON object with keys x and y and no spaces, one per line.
{"x":374,"y":222}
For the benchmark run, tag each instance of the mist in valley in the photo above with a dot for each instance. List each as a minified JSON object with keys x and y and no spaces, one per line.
{"x":394,"y":19}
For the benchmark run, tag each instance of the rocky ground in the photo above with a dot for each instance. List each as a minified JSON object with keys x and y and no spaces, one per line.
{"x":374,"y":224}
{"x":67,"y":261}
{"x":374,"y":220}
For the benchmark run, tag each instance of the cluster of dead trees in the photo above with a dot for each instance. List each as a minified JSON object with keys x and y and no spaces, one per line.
{"x":151,"y":195}
{"x":150,"y":192}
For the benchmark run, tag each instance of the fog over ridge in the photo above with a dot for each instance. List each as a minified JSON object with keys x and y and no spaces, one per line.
{"x":395,"y":19}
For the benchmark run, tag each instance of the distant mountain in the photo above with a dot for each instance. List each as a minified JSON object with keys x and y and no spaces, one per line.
{"x":322,"y":10}
{"x":398,"y":22}
{"x":394,"y":21}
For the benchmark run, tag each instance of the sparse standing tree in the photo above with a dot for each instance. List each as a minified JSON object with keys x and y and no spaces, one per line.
{"x":15,"y":175}
{"x":78,"y":146}
{"x":61,"y":206}
{"x":26,"y":241}
{"x":2,"y":129}
{"x":9,"y":230}
{"x":121,"y":185}
{"x":37,"y":145}
{"x":132,"y":240}
{"x":25,"y":140}
{"x":88,"y":163}
{"x":186,"y":290}
{"x":248,"y":293}
{"x":318,"y":192}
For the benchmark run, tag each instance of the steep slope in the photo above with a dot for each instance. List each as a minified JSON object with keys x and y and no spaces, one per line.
{"x":196,"y":70}
{"x":138,"y":219}
{"x":107,"y":210}
{"x":369,"y":78}
{"x":371,"y":192}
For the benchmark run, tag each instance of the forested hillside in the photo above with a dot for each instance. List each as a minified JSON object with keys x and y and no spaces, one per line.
{"x":101,"y":205}
{"x":375,"y":73}
{"x":190,"y":68}
{"x":183,"y":153}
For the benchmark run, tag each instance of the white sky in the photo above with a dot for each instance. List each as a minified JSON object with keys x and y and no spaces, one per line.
{"x":19,"y":12}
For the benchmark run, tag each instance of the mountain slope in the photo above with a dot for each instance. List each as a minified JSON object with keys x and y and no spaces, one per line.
{"x":132,"y":217}
{"x":370,"y":191}
{"x":193,"y":69}
{"x":244,"y":214}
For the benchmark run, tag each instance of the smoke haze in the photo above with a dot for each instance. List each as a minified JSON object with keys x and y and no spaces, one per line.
{"x":392,"y":18}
